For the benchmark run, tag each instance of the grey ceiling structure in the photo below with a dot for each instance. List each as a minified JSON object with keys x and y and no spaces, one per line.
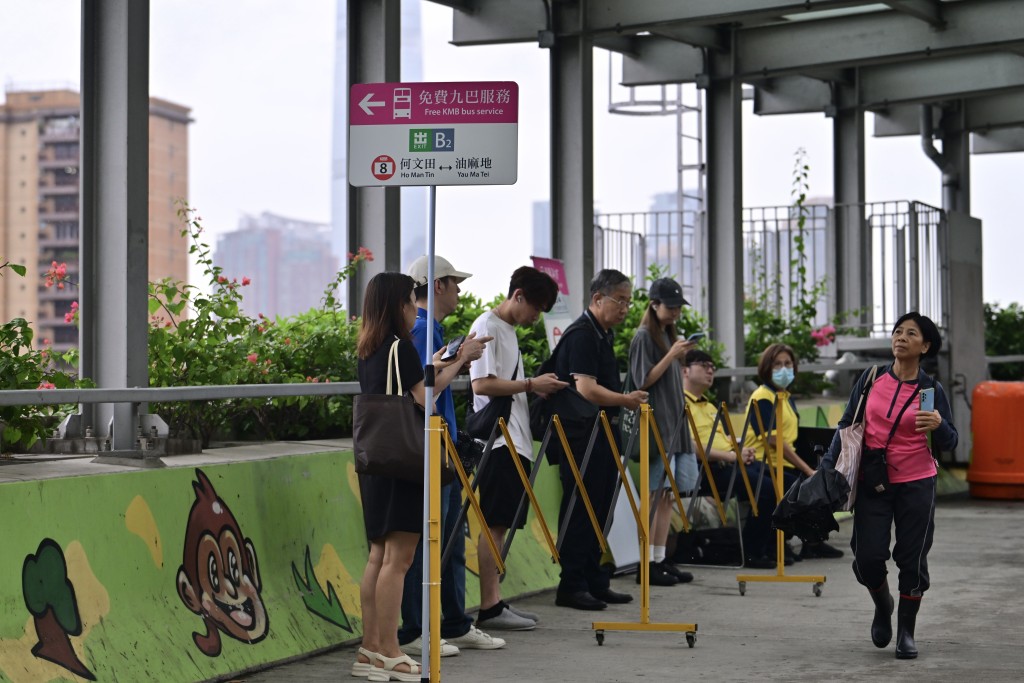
{"x":941,"y":70}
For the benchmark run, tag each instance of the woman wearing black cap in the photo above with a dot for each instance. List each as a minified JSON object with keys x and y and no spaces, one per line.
{"x":655,"y":365}
{"x":893,"y":423}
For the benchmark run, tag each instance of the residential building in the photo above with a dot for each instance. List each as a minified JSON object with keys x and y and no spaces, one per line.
{"x":288,"y":261}
{"x":39,"y":203}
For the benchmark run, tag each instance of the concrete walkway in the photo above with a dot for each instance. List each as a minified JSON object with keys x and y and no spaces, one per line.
{"x":970,"y":627}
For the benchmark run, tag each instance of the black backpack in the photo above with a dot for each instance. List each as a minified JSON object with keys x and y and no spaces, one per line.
{"x":574,"y":412}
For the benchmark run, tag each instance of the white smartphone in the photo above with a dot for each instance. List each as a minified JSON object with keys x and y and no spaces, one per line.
{"x":695,"y":337}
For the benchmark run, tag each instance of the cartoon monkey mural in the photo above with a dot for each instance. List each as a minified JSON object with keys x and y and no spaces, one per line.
{"x":219,"y":578}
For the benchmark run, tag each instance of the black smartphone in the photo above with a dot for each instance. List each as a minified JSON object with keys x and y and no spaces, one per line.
{"x":695,"y":337}
{"x":453,"y":347}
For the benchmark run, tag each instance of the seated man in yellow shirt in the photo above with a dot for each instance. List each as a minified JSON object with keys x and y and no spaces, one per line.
{"x":758,"y":537}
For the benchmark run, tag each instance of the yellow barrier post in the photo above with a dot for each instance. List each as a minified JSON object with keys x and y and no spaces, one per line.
{"x":529,"y":490}
{"x":474,"y":502}
{"x":436,"y":425}
{"x":579,"y":485}
{"x":707,"y":467}
{"x":764,"y":441}
{"x":738,"y":450}
{"x":668,"y":473}
{"x":643,"y":533}
{"x":780,"y":539}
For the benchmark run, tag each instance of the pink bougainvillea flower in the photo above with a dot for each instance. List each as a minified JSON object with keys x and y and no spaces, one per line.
{"x":221,"y":279}
{"x":46,"y":385}
{"x":252,"y":358}
{"x":246,"y":282}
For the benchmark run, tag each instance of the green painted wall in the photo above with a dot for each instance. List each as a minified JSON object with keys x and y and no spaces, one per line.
{"x":103,"y":555}
{"x":122,"y":540}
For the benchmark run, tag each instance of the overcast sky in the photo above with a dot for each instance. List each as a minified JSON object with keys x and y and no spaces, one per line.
{"x":258,"y":77}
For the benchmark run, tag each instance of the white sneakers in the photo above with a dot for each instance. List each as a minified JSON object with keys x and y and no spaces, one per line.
{"x":475,"y":639}
{"x":415,"y":648}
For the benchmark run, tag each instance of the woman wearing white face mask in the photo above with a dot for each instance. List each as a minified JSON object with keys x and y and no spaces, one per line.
{"x":777,"y":370}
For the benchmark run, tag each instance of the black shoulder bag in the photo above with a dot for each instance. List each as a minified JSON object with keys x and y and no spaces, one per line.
{"x":480,"y":424}
{"x":873,"y":464}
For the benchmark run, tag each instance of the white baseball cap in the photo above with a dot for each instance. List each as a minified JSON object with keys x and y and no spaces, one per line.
{"x":442,"y":268}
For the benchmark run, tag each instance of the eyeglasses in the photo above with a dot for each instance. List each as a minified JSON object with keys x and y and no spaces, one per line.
{"x":620,"y":304}
{"x":706,"y":364}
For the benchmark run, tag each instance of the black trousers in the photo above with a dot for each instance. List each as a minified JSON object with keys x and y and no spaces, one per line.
{"x":580,"y":553}
{"x":911,"y":506}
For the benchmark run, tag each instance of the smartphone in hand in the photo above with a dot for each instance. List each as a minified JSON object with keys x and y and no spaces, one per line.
{"x":928,"y":399}
{"x":695,"y":337}
{"x":453,"y":347}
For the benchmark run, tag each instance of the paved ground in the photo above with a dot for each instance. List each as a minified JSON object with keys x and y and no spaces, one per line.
{"x":969,"y":628}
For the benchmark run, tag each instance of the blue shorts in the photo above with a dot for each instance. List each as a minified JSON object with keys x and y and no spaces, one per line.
{"x":684,"y":467}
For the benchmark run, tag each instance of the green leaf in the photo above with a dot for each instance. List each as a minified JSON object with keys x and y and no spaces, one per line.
{"x":18,"y":268}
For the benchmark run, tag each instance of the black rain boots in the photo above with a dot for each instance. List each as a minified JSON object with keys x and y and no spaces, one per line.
{"x":906,"y":619}
{"x":881,"y":625}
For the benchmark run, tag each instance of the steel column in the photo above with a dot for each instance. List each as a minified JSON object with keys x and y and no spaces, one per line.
{"x":374,"y":213}
{"x":115,"y":208}
{"x":725,"y":205}
{"x":956,"y":150}
{"x":851,"y":283}
{"x":572,"y":153}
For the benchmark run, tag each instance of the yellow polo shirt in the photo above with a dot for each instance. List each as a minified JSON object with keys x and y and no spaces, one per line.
{"x":763,"y":400}
{"x":704,"y":413}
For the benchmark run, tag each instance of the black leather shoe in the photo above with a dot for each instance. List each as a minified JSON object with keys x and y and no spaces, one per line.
{"x":681,"y":576}
{"x":759,"y":563}
{"x":612,"y":597}
{"x":658,"y":576}
{"x":580,"y":600}
{"x":815,"y":550}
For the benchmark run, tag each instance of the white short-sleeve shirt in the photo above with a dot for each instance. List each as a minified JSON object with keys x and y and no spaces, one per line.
{"x":499,"y":360}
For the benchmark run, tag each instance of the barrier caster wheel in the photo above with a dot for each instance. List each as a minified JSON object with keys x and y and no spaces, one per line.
{"x":600,"y":637}
{"x":743,"y":587}
{"x":817,"y":589}
{"x":691,"y":639}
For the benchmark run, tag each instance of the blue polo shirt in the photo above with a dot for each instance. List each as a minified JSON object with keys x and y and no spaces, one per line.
{"x":445,"y":402}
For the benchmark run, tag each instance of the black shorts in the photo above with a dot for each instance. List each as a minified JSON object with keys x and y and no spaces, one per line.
{"x":501,"y":488}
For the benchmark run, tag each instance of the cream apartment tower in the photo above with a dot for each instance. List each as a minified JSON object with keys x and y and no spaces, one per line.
{"x":39,"y":203}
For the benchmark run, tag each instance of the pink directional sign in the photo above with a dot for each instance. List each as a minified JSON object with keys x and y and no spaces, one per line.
{"x":457,"y":133}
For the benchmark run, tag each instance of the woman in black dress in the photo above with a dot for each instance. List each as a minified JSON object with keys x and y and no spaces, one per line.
{"x":392,"y":508}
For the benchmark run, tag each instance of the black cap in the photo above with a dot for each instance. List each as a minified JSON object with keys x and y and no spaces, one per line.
{"x":667,"y":291}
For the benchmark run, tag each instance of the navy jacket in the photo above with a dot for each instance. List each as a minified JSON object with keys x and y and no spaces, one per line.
{"x":945,"y":437}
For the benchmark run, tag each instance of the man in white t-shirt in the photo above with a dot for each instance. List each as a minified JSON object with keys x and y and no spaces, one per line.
{"x":499,"y":372}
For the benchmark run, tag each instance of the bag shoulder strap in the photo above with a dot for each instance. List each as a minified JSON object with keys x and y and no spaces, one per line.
{"x":896,"y":422}
{"x":394,"y":369}
{"x":869,"y":382}
{"x":549,"y":364}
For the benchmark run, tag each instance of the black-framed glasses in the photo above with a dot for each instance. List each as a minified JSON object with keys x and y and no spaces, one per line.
{"x":706,"y":364}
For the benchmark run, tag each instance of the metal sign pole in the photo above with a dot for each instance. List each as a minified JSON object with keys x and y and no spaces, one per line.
{"x":428,"y":489}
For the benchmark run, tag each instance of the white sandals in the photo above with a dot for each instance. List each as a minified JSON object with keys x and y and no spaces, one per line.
{"x":388,"y":673}
{"x":363,"y":669}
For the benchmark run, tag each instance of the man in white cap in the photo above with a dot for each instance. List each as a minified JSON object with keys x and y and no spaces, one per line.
{"x":457,"y":629}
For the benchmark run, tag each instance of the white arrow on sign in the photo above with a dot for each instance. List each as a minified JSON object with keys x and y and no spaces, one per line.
{"x":368,"y":102}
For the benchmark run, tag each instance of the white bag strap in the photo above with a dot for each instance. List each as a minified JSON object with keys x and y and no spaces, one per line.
{"x":868,"y":384}
{"x":393,"y":368}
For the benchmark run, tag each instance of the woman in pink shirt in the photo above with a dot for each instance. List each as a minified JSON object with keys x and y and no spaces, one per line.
{"x":894,"y":422}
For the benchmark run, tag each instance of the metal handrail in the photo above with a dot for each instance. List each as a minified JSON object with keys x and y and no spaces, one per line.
{"x":16,"y":397}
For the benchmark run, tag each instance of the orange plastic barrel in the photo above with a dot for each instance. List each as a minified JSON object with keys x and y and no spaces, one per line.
{"x":997,"y":462}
